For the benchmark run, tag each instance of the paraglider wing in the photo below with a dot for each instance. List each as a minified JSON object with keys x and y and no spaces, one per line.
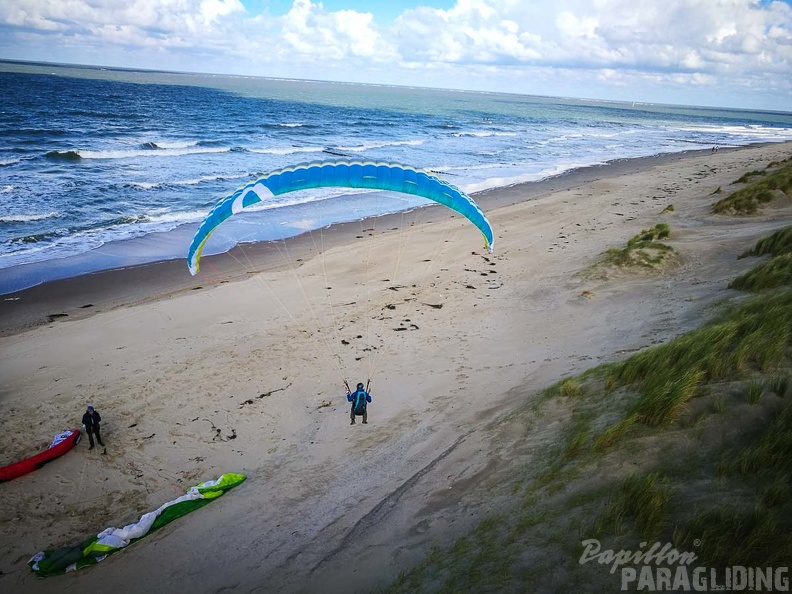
{"x":346,"y":174}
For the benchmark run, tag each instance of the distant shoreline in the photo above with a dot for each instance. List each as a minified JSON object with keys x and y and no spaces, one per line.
{"x":130,"y":253}
{"x":197,"y":73}
{"x":81,"y":295}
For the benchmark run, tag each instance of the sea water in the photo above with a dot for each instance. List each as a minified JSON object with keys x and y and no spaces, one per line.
{"x":105,"y":168}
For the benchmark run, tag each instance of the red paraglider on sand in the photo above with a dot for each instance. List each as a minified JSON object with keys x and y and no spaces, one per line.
{"x":61,"y":444}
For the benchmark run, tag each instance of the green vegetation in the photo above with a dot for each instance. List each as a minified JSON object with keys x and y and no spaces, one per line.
{"x":659,"y":231}
{"x":571,"y":388}
{"x":728,"y":536}
{"x":614,"y":433}
{"x":775,"y":244}
{"x":759,"y":532}
{"x":644,"y":250}
{"x":687,"y":442}
{"x":754,"y":391}
{"x":753,"y":335}
{"x":769,"y":450}
{"x":747,"y":200}
{"x":642,"y":499}
{"x":776,"y":272}
{"x":747,"y":177}
{"x":779,"y":384}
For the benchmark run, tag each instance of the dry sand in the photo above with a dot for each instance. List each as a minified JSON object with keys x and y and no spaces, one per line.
{"x":244,"y":375}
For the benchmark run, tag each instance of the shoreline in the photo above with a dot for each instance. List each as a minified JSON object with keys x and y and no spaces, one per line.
{"x":169,"y":245}
{"x":80,"y":296}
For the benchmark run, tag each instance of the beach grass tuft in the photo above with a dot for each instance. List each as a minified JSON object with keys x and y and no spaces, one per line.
{"x":751,"y":336}
{"x":753,"y":392}
{"x":664,"y":398}
{"x":654,"y":233}
{"x":571,"y":388}
{"x":718,"y":404}
{"x":727,"y":536}
{"x":754,"y":331}
{"x":745,"y":178}
{"x":644,"y":250}
{"x":776,"y":272}
{"x":779,"y":492}
{"x":613,"y":434}
{"x":768,"y":451}
{"x":749,"y":199}
{"x":642,"y":498}
{"x":779,"y":384}
{"x":776,"y":244}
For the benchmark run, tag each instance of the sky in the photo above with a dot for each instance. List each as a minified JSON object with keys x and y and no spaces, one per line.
{"x":726,"y":53}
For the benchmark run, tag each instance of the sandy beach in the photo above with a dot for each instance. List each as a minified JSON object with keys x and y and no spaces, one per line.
{"x":241,"y":368}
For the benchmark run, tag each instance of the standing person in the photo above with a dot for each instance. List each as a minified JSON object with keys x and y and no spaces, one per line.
{"x":359,"y":399}
{"x":90,"y":421}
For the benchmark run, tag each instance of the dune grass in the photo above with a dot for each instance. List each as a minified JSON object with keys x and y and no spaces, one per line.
{"x":568,"y":388}
{"x":571,"y":388}
{"x":779,"y":384}
{"x":472,"y":563}
{"x":776,"y":272}
{"x":643,"y":499}
{"x":654,"y":233}
{"x":746,"y":177}
{"x":769,"y":451}
{"x":778,"y":493}
{"x":645,"y":249}
{"x":754,"y":391}
{"x":728,"y":536}
{"x":775,"y":244}
{"x":753,"y":335}
{"x":610,"y":436}
{"x":749,"y":199}
{"x":758,"y":532}
{"x":718,"y":405}
{"x":578,"y":434}
{"x":744,"y":519}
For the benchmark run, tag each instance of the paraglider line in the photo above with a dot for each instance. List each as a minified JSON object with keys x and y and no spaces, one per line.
{"x":321,"y":251}
{"x":283,"y":306}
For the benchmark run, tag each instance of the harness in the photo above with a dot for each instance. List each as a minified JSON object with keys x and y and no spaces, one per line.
{"x":360,"y":401}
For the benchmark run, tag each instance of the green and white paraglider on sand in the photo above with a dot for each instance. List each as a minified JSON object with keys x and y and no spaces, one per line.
{"x":112,"y":540}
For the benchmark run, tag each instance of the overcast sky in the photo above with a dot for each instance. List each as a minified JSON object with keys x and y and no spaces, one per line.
{"x":734,"y":53}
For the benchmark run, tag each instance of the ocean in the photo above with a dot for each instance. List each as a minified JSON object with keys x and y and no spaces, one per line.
{"x":107,"y":168}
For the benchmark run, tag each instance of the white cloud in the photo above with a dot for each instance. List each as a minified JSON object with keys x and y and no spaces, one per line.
{"x":144,"y":14}
{"x":603,"y":46}
{"x":314,"y":33}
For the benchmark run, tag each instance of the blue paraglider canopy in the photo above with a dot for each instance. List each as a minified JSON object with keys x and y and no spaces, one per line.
{"x":348,"y":174}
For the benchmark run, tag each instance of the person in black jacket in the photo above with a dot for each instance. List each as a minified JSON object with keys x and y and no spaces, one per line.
{"x":90,"y":421}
